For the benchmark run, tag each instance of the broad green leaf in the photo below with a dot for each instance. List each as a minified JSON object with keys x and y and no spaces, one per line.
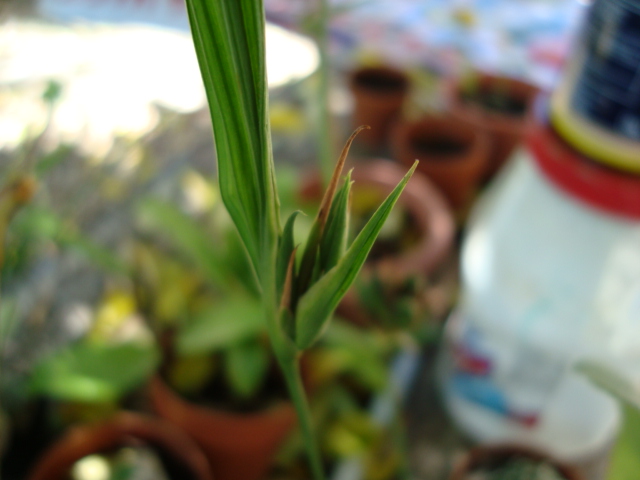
{"x":246,"y":366}
{"x":229,"y":321}
{"x":186,"y":235}
{"x":94,"y":372}
{"x":229,"y":43}
{"x":334,"y":240}
{"x":285,"y":248}
{"x":318,"y":303}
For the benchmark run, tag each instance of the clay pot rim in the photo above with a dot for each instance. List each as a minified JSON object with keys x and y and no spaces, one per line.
{"x":475,"y":114}
{"x":163,"y":397}
{"x":83,"y":440}
{"x":480,"y":453}
{"x":478,"y":144}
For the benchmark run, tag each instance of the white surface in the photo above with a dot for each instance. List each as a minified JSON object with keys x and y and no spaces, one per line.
{"x":113,"y":76}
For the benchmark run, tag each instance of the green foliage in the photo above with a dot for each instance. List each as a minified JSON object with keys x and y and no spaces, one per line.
{"x":246,"y":367}
{"x":224,"y":324}
{"x":625,"y":462}
{"x":89,"y":372}
{"x":299,"y":298}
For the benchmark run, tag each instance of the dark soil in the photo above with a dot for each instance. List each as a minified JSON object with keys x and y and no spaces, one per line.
{"x":439,"y":148}
{"x":497,"y":102}
{"x":217,"y":394}
{"x":381,"y":82}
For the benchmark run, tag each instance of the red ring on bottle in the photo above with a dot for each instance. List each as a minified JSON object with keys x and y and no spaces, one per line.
{"x":603,"y":188}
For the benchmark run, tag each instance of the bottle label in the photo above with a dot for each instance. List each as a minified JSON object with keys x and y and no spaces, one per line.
{"x":512,"y":378}
{"x":607,"y":90}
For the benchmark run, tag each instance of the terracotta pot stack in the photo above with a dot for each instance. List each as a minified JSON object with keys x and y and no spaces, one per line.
{"x":379,"y":95}
{"x":452,"y":154}
{"x":505,"y":130}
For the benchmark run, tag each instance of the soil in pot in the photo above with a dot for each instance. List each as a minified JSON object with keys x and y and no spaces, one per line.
{"x":379,"y":94}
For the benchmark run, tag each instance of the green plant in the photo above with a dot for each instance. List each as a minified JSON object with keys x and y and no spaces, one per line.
{"x":213,"y":311}
{"x":299,"y":295}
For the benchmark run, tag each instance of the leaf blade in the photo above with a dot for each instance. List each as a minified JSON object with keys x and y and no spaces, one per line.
{"x":318,"y":303}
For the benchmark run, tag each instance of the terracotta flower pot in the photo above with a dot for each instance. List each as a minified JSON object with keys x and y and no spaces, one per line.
{"x":85,"y":440}
{"x":429,"y":213}
{"x":452,"y":153}
{"x":494,"y":455}
{"x":379,"y":94}
{"x":238,"y":446}
{"x":504,"y":128}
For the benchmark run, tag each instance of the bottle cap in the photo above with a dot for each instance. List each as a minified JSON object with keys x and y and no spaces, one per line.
{"x":608,"y":190}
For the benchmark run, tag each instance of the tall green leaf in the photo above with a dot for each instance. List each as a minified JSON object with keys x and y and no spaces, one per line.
{"x":318,"y":303}
{"x":229,"y":42}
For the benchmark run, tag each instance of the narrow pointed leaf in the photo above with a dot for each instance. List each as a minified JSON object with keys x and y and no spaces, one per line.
{"x":318,"y":303}
{"x":334,"y":241}
{"x":310,"y":254}
{"x":229,"y":42}
{"x":285,"y":248}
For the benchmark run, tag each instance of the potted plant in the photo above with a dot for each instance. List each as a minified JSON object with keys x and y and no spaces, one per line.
{"x":379,"y":93}
{"x":218,"y":374}
{"x":96,"y":447}
{"x":453,"y":154}
{"x":299,"y":292}
{"x":513,"y":462}
{"x":500,"y":107}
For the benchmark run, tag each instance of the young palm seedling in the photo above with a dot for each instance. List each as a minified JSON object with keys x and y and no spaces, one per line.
{"x":299,"y":294}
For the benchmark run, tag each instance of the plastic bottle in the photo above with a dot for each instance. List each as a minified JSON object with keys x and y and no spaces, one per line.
{"x":551,"y":265}
{"x":550,"y":253}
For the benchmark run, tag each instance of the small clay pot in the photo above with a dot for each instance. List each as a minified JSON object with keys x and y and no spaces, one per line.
{"x":431,"y":216}
{"x":494,"y":455}
{"x":452,"y":154}
{"x":238,"y":446}
{"x":379,"y":94}
{"x":505,"y":129}
{"x":117,"y":432}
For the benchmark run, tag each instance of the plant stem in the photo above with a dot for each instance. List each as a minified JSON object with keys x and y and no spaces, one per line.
{"x":325,"y":142}
{"x":291,"y":370}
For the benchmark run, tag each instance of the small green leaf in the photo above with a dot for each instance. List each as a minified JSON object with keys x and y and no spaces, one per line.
{"x":318,"y":303}
{"x":246,"y":366}
{"x":285,"y":248}
{"x":334,"y":241}
{"x":229,"y":321}
{"x":184,"y":234}
{"x":94,"y":372}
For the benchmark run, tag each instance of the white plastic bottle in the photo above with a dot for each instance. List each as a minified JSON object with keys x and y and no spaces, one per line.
{"x":550,"y":277}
